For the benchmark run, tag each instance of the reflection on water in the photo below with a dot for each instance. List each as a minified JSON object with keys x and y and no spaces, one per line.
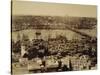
{"x":45,"y":34}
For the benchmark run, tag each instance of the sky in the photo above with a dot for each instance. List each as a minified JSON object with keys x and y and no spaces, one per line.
{"x":53,"y":9}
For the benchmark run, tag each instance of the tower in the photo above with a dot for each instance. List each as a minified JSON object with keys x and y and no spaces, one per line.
{"x":38,"y":35}
{"x":23,"y":51}
{"x":25,"y":42}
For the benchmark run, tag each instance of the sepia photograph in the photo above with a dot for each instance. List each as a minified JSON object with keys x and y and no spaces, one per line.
{"x":52,"y":37}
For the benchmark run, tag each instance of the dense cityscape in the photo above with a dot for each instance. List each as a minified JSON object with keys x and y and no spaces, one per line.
{"x":53,"y":53}
{"x":52,"y":22}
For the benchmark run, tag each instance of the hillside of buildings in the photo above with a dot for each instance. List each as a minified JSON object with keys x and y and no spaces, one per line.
{"x":52,"y":22}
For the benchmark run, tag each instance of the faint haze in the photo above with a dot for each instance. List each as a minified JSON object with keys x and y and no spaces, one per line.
{"x":53,"y":9}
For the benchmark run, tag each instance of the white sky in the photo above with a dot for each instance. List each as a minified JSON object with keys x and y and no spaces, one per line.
{"x":53,"y":9}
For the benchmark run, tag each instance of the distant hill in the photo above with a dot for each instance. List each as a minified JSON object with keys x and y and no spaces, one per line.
{"x":52,"y":22}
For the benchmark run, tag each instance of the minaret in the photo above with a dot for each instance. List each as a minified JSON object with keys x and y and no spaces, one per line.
{"x":70,"y":65}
